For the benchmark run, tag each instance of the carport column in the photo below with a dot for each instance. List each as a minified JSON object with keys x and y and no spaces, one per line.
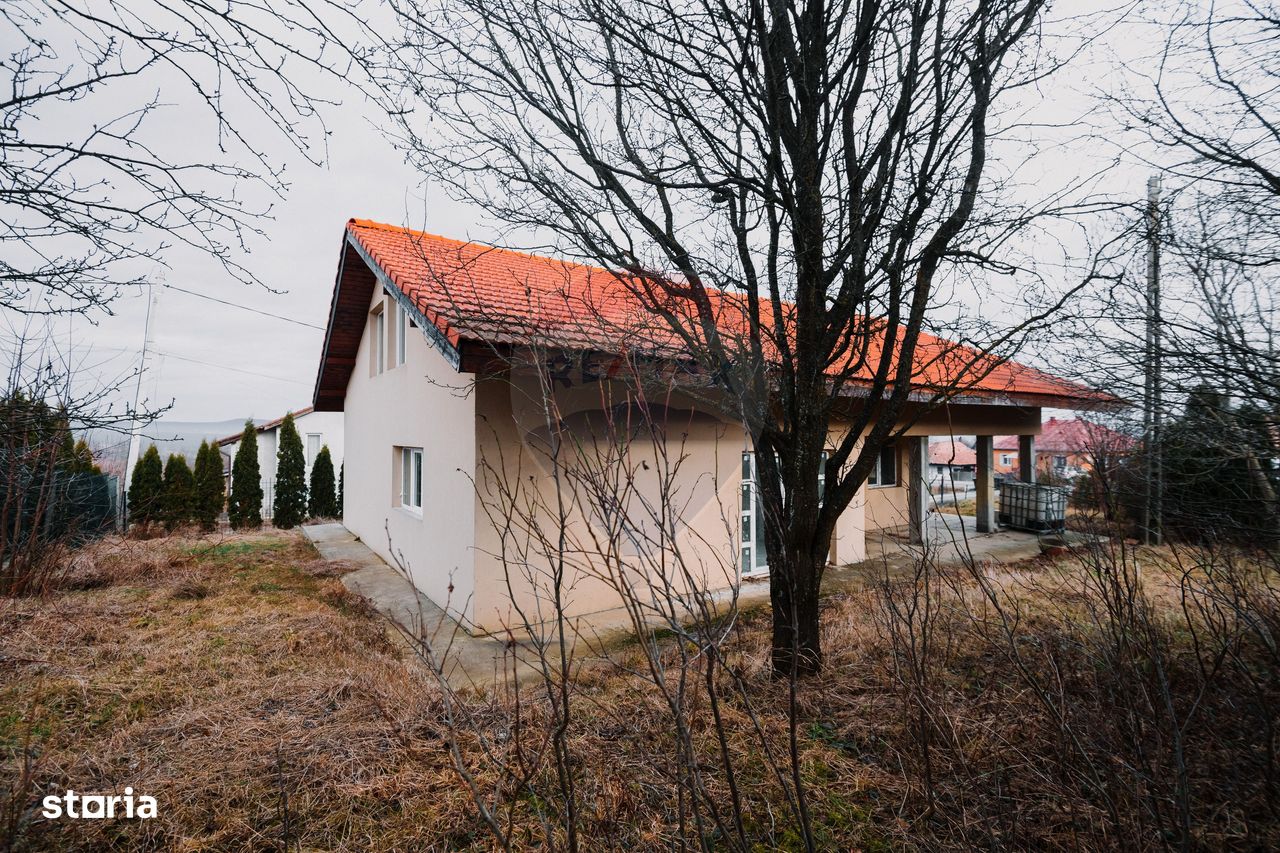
{"x":1027,"y":458}
{"x":917,"y":487}
{"x":985,"y":486}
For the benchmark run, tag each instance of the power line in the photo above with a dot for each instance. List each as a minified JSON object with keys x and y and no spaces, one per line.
{"x":245,"y":307}
{"x":235,"y":369}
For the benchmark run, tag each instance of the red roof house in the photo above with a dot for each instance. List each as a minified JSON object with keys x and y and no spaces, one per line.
{"x":437,"y":353}
{"x":1066,"y":447}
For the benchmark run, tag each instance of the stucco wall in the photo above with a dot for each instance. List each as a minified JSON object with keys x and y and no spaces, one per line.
{"x":330,"y":426}
{"x":516,"y":565}
{"x":421,"y":403}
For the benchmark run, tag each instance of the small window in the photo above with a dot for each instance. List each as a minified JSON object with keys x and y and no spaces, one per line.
{"x":313,"y":448}
{"x":402,"y":325}
{"x":1059,"y":462}
{"x":1006,"y":459}
{"x":885,"y":471}
{"x":411,"y":478}
{"x":379,"y":342}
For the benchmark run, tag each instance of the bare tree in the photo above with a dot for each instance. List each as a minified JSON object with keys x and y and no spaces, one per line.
{"x":599,"y":497}
{"x":94,"y":185}
{"x":1216,"y":137}
{"x":1211,"y":106}
{"x":782,"y":187}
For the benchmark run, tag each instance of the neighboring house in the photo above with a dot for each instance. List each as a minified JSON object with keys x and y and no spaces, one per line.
{"x":450,"y":359}
{"x":1065,"y":448}
{"x":316,"y":429}
{"x":951,"y":462}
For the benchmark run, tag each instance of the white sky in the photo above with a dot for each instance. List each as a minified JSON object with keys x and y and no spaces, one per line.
{"x":253,"y":365}
{"x":216,"y":362}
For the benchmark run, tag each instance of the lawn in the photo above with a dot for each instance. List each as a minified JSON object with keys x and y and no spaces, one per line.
{"x":264,"y":707}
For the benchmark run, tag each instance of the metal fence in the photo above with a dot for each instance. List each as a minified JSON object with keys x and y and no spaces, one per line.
{"x":57,"y":505}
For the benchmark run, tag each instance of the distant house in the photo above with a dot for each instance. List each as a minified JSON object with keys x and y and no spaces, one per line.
{"x":1064,"y":448}
{"x":317,"y":429}
{"x":951,"y":461}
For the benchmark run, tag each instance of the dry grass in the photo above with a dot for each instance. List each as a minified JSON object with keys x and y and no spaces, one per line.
{"x":214,"y":675}
{"x":229,"y":676}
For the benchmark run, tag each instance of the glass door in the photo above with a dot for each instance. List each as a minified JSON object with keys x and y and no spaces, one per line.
{"x":755,"y":560}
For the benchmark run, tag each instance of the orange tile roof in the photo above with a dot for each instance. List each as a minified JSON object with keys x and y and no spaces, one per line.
{"x":473,"y":292}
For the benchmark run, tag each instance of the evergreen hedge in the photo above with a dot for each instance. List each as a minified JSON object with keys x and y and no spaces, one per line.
{"x":209,"y":486}
{"x":178,"y":496}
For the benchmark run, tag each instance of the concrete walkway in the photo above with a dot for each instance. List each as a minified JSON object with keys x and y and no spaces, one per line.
{"x":469,"y":660}
{"x":473,"y":661}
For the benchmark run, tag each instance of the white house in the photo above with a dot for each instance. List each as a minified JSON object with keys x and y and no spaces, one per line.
{"x":454,"y":362}
{"x":317,"y":429}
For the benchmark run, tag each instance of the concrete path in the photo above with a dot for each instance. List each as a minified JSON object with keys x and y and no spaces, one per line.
{"x":469,"y":660}
{"x":474,"y":661}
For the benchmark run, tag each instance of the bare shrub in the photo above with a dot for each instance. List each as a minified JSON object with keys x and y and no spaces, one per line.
{"x":1116,"y":697}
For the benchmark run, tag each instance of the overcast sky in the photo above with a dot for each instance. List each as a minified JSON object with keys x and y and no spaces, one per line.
{"x":215,"y":361}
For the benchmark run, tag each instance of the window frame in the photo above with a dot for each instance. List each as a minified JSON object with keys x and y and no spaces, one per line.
{"x":401,"y":335}
{"x":410,"y":462}
{"x":875,"y":480}
{"x":750,"y":532}
{"x":379,"y":365}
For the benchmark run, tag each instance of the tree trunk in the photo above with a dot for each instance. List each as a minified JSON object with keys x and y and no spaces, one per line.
{"x":793,"y":593}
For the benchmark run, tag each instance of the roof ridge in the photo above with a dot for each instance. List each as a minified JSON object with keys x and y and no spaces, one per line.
{"x":404,"y":229}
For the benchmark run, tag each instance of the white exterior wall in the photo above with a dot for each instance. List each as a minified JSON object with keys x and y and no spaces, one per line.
{"x":421,"y":403}
{"x":330,"y":426}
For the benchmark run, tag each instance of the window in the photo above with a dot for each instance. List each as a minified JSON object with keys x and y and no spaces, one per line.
{"x":411,"y":478}
{"x":1006,"y":459}
{"x":379,"y":340}
{"x":885,"y":471}
{"x":313,"y":448}
{"x":402,"y":324}
{"x":1059,"y":462}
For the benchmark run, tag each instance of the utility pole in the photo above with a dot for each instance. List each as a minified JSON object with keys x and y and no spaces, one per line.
{"x":135,"y":440}
{"x":1152,"y":392}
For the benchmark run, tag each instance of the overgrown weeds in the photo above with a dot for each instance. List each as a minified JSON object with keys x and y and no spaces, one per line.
{"x":1112,"y":699}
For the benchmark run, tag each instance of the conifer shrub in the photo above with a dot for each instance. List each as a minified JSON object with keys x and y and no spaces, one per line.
{"x":178,"y":495}
{"x":82,"y":459}
{"x":146,"y":485}
{"x":323,"y":500}
{"x":244,"y":505}
{"x":290,"y":507}
{"x":209,"y":486}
